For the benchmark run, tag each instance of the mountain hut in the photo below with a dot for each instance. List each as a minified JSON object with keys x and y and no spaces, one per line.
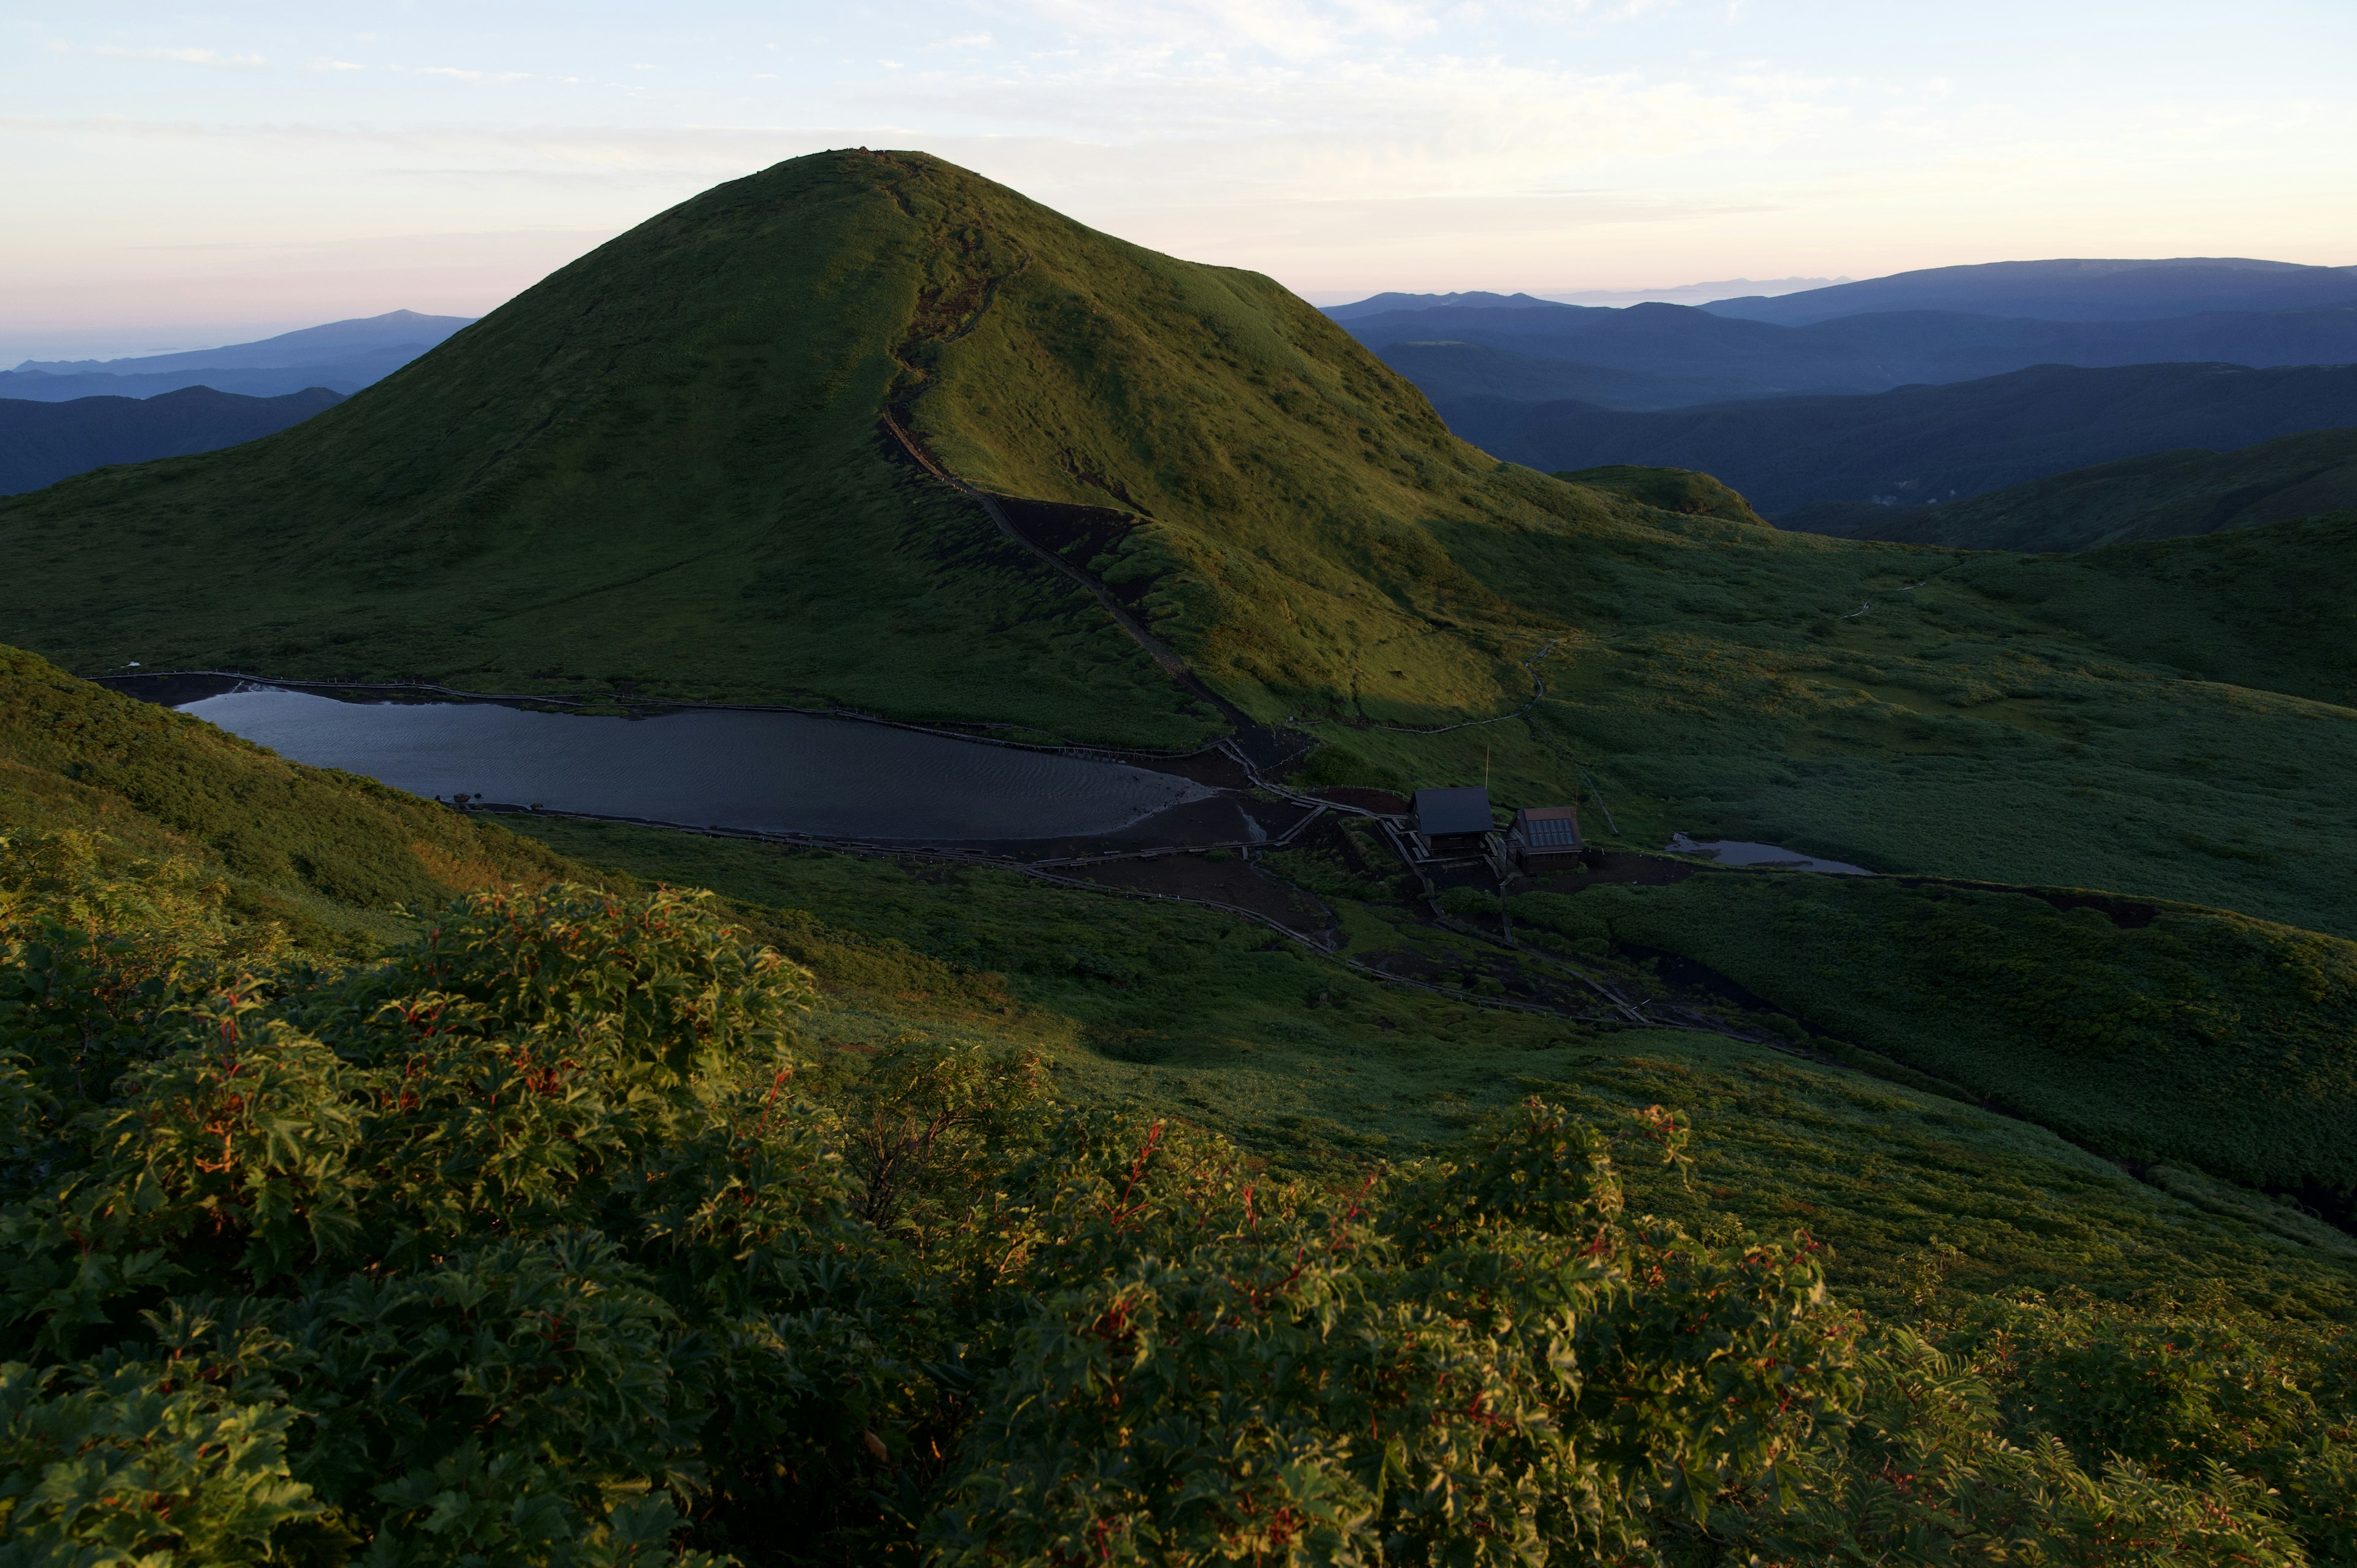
{"x":1453,"y":822}
{"x":1544,"y":837}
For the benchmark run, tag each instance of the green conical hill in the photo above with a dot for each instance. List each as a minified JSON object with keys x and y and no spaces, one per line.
{"x":666,"y":467}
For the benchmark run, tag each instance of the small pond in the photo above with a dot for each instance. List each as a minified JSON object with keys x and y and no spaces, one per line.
{"x":1736,"y":851}
{"x":762,"y":772}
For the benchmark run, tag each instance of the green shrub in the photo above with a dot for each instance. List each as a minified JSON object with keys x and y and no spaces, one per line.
{"x":1469,"y":903}
{"x":536,"y":1243}
{"x":1560,"y":913}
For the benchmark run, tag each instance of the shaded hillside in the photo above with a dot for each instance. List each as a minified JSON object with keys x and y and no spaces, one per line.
{"x":2149,"y":1032}
{"x":1925,"y":443}
{"x":305,"y":847}
{"x":2161,"y":496}
{"x":1455,"y":374}
{"x":2067,"y":291}
{"x":2266,"y":607}
{"x":1678,"y":490}
{"x":41,"y":442}
{"x":1873,"y":352}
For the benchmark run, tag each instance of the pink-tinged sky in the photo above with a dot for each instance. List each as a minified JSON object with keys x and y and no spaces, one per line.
{"x":177,"y":177}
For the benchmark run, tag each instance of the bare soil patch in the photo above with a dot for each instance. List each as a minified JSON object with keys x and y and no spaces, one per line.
{"x":1234,"y":883}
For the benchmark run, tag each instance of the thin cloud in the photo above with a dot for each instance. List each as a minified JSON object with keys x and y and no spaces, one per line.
{"x":454,"y":74}
{"x":332,"y":65}
{"x":213,"y":58}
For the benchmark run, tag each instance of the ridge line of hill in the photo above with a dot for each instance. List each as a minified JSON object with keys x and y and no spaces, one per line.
{"x":922,"y":379}
{"x":1161,"y":652}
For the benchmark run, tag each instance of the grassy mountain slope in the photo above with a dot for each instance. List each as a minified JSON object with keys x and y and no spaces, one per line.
{"x":326,"y":853}
{"x":433,"y":1234}
{"x":1679,"y":490}
{"x":2161,"y":496}
{"x":2264,"y":607}
{"x":1315,"y":1067}
{"x":663,"y":465}
{"x":2151,"y":1033}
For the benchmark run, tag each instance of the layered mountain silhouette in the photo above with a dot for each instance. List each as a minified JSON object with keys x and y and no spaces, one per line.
{"x":341,"y":356}
{"x":1927,"y":443}
{"x":41,"y":442}
{"x":1874,"y":352}
{"x":1454,"y":374}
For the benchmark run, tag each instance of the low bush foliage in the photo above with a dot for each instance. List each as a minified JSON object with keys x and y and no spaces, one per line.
{"x":537,"y":1243}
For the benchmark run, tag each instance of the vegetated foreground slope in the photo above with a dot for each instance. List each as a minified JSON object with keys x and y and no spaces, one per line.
{"x":2161,"y":496}
{"x":328,"y":854}
{"x":2150,"y":1033}
{"x":1922,"y":444}
{"x":585,"y":1223}
{"x":41,"y":442}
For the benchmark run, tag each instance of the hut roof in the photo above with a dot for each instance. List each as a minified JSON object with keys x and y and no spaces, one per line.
{"x":1452,"y":811}
{"x":1548,"y":827}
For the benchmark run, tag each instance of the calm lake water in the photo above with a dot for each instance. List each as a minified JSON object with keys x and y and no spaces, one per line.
{"x":762,"y":772}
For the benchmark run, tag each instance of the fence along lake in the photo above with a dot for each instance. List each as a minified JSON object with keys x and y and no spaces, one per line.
{"x":760,"y":772}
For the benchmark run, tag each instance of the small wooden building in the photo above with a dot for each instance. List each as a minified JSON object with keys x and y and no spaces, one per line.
{"x":1453,"y":822}
{"x":1545,"y":836}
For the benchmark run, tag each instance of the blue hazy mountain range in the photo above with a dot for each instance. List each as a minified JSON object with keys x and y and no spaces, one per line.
{"x":1864,"y":353}
{"x":1947,"y":380}
{"x":2067,"y":291}
{"x":341,"y":356}
{"x":1925,"y":443}
{"x":41,"y":442}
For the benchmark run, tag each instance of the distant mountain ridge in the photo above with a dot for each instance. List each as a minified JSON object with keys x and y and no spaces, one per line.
{"x":1477,"y":299}
{"x":2067,"y":291}
{"x":1450,"y":373}
{"x":307,"y":346}
{"x":341,"y":356}
{"x":41,"y":442}
{"x":1874,"y":352}
{"x":1926,"y":443}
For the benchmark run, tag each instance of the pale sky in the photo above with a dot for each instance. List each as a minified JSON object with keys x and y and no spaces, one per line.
{"x":177,"y":176}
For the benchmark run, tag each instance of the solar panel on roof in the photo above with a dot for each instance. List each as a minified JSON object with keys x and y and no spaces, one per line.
{"x":1550,"y":832}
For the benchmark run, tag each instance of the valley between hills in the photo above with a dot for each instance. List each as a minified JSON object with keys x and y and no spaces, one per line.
{"x":2001,"y":1206}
